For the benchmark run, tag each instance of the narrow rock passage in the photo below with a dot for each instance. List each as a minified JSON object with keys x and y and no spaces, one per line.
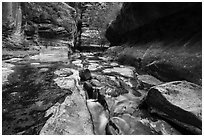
{"x":101,"y":68}
{"x":114,"y":84}
{"x":87,"y":94}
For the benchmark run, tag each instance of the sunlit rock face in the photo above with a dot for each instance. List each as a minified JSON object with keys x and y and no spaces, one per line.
{"x":49,"y":19}
{"x":29,"y":24}
{"x":164,"y":39}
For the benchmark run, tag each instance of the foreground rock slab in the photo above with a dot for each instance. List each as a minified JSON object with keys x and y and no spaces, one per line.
{"x":179,"y":102}
{"x":70,"y":117}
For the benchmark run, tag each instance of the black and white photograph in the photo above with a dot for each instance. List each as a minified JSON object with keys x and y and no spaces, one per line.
{"x":101,"y":68}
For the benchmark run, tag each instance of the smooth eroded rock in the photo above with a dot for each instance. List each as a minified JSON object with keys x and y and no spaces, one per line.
{"x":125,"y":103}
{"x":148,"y":81}
{"x":128,"y":72}
{"x":160,"y":126}
{"x":99,"y":117}
{"x":85,"y":74}
{"x":66,"y":83}
{"x":128,"y":125}
{"x":179,"y":102}
{"x":64,"y":72}
{"x":94,"y":66}
{"x":13,"y":60}
{"x":96,"y":83}
{"x":77,"y":63}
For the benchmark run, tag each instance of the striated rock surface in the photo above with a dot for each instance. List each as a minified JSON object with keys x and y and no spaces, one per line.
{"x":72,"y":116}
{"x":30,"y":25}
{"x":49,"y":19}
{"x":179,"y":102}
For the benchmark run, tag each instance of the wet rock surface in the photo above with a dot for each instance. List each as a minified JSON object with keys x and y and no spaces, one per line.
{"x":51,"y":94}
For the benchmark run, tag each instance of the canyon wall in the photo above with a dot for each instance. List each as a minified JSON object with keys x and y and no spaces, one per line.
{"x":165,"y":39}
{"x":27,"y":24}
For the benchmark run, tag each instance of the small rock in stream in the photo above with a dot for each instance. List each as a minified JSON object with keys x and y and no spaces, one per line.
{"x":35,"y":64}
{"x":147,"y":81}
{"x":13,"y":60}
{"x":85,"y":75}
{"x":89,"y":89}
{"x":65,"y":72}
{"x":96,"y":83}
{"x":124,"y":71}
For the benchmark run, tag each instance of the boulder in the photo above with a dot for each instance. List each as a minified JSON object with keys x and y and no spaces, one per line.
{"x":99,"y":117}
{"x":128,"y":125}
{"x":147,"y":37}
{"x":89,"y":89}
{"x":64,"y":72}
{"x":94,"y":66}
{"x":96,"y":83}
{"x":30,"y":30}
{"x":114,"y":92}
{"x":160,"y":126}
{"x":85,"y":75}
{"x":125,"y":103}
{"x":179,"y":102}
{"x":65,"y":83}
{"x":147,"y":81}
{"x":123,"y":71}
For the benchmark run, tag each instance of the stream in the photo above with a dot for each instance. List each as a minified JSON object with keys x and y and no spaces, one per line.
{"x":83,"y":93}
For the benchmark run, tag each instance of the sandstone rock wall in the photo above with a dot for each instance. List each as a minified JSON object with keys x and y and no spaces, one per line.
{"x":33,"y":21}
{"x":134,"y":16}
{"x":49,"y":19}
{"x":166,"y":37}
